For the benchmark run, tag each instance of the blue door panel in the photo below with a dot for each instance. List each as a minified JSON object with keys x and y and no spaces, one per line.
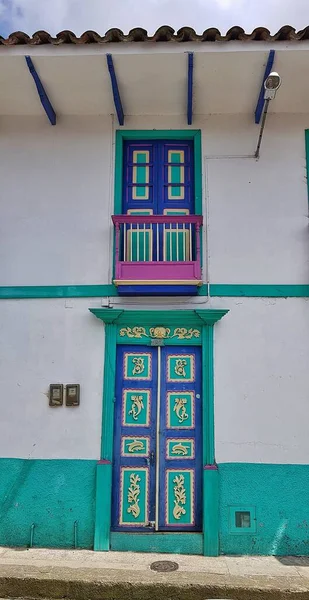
{"x":134,"y":424}
{"x":180,"y":440}
{"x":179,"y":431}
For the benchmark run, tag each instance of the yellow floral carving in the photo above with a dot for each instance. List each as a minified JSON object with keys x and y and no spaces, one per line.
{"x":180,"y":449}
{"x":137,"y":406}
{"x":180,"y":496}
{"x":180,"y":409}
{"x":134,"y":332}
{"x":139,"y":366}
{"x":182,"y":333}
{"x":160,"y":332}
{"x":180,"y":367}
{"x":133,"y":494}
{"x":186,"y":334}
{"x":135,"y":445}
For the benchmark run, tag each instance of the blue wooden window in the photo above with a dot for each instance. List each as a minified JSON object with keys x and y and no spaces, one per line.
{"x":158,"y":177}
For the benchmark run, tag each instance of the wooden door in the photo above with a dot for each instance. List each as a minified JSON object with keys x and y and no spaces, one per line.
{"x":157,"y":468}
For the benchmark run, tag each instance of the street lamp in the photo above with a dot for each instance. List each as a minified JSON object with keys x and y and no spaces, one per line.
{"x":271,"y":86}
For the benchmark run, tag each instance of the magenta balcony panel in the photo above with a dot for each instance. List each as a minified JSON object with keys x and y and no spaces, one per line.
{"x":156,"y":252}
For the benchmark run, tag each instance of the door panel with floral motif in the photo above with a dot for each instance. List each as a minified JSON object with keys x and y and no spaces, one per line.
{"x":157,"y":469}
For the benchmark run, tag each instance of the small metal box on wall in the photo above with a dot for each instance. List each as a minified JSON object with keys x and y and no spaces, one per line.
{"x":72,"y":394}
{"x":56,"y":394}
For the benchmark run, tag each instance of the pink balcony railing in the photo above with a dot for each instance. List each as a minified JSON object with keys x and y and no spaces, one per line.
{"x":157,"y":249}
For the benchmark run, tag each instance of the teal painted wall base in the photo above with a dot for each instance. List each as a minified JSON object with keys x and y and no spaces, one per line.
{"x":175,"y":543}
{"x":280,"y":496}
{"x":52,"y":495}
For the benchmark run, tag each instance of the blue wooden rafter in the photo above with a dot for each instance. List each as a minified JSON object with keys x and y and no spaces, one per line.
{"x":115,"y":89}
{"x":41,"y":91}
{"x":260,"y":102}
{"x":190,"y":88}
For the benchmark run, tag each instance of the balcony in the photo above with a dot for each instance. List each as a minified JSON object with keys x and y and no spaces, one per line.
{"x":157,"y":254}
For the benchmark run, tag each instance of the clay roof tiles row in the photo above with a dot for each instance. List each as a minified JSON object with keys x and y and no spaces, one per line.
{"x":163,"y":34}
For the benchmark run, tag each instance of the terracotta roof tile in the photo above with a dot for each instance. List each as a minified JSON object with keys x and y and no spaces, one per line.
{"x":163,"y":34}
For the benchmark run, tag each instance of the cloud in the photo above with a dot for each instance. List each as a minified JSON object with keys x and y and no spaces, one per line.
{"x":79,"y":15}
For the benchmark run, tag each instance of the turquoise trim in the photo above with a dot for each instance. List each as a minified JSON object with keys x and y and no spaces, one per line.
{"x":259,"y":290}
{"x":208,"y":395}
{"x":174,"y":543}
{"x":159,"y":318}
{"x":307,"y":159}
{"x":103,"y":507}
{"x":51,"y":494}
{"x":100,"y":291}
{"x":211,"y":511}
{"x":162,"y":134}
{"x":280,"y":496}
{"x":56,"y":291}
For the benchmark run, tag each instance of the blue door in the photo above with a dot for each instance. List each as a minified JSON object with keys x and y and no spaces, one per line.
{"x":157,"y":468}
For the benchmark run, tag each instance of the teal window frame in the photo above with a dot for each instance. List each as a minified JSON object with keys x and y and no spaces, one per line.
{"x":162,"y":134}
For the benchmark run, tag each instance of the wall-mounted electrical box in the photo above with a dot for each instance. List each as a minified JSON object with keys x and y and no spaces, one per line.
{"x":72,"y":394}
{"x":242,"y":519}
{"x":56,"y":394}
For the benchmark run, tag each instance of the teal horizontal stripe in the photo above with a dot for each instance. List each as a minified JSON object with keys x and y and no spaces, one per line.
{"x":98,"y":291}
{"x":57,"y":291}
{"x":259,"y":290}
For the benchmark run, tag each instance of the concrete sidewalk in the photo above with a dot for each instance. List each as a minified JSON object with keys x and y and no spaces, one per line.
{"x":80,"y":574}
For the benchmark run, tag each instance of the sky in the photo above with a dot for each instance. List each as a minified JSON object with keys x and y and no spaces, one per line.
{"x":101,"y":15}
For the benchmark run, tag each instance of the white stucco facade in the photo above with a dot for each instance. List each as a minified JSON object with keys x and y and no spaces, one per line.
{"x":57,"y":189}
{"x":57,"y":464}
{"x":261,"y":378}
{"x":43,"y":342}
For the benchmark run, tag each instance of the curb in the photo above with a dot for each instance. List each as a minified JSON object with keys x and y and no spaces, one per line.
{"x":19,"y":581}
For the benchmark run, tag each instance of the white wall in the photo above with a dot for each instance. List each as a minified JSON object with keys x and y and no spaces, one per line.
{"x":261,"y":352}
{"x":57,"y":198}
{"x":55,"y":228}
{"x":257,"y":211}
{"x":262,"y":380}
{"x":43,"y":342}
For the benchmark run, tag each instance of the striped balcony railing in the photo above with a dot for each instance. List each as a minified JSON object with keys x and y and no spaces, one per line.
{"x":157,"y":249}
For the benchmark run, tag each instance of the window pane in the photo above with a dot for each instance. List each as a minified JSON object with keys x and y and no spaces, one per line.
{"x":242,"y":519}
{"x":176,"y":174}
{"x":140,"y":175}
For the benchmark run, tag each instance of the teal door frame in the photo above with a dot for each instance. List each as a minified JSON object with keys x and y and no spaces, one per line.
{"x":166,"y":327}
